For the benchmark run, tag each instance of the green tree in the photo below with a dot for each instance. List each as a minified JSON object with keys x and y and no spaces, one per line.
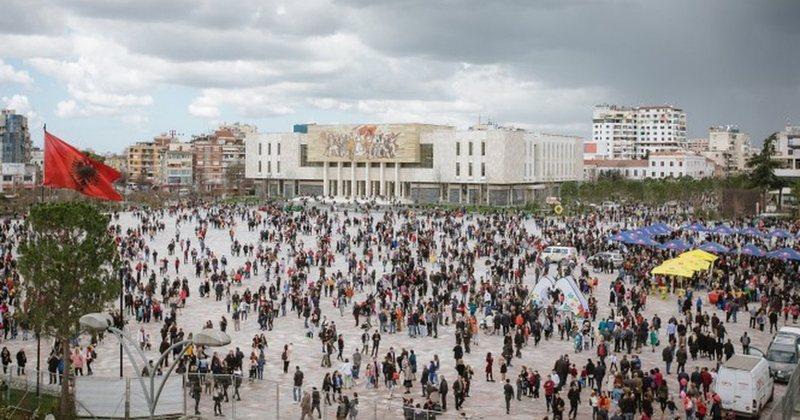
{"x":68,"y":263}
{"x":796,"y":196}
{"x":569,"y":192}
{"x":762,"y":169}
{"x":234,"y":176}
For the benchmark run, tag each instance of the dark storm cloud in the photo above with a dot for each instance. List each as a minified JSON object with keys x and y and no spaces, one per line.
{"x":723,"y":61}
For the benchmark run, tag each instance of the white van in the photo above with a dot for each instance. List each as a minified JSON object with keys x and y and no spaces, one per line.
{"x":555,"y":254}
{"x":744,"y":384}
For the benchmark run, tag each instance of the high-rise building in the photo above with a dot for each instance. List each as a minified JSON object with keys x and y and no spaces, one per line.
{"x":15,"y":137}
{"x":614,"y":132}
{"x":729,"y":148}
{"x":176,"y":166}
{"x":144,"y":159}
{"x":622,"y":132}
{"x":787,"y":151}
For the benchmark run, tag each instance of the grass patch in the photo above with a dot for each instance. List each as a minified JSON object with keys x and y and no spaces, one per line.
{"x":18,"y":404}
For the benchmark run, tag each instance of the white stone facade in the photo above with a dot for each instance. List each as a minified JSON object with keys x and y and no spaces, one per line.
{"x":679,"y":164}
{"x":483,"y":165}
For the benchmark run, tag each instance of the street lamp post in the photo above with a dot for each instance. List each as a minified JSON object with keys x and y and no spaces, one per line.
{"x":207,"y":338}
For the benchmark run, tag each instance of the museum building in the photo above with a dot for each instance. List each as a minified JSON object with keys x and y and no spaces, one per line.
{"x":423,"y":163}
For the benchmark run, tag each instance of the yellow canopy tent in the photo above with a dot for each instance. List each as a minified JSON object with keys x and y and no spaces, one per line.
{"x":699,"y":253}
{"x":693,"y":262}
{"x":673,"y":268}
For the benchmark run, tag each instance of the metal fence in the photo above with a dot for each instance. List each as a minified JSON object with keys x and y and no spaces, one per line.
{"x":271,"y":399}
{"x":19,"y":395}
{"x":785,"y":408}
{"x":16,"y":379}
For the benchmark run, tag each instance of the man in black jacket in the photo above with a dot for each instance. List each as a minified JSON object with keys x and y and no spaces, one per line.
{"x":508,"y":392}
{"x":443,"y":389}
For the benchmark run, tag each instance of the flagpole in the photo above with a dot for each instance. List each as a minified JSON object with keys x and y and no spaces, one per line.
{"x":44,"y":146}
{"x":38,"y":335}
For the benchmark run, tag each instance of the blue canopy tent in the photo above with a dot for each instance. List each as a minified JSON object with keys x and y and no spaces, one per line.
{"x":723,"y":230}
{"x":694,"y":227}
{"x":749,"y":231}
{"x":643,"y":241}
{"x":714,"y":247}
{"x":661,"y":229}
{"x":785,"y":254}
{"x":780,"y":233}
{"x":752,"y":251}
{"x":620,"y":237}
{"x":676,"y":244}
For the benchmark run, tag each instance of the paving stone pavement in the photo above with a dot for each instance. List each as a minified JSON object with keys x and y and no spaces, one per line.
{"x":272,"y":398}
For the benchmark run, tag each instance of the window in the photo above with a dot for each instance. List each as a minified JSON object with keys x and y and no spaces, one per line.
{"x":269,"y":167}
{"x":304,"y":157}
{"x":680,"y":163}
{"x":425,"y":158}
{"x":269,"y":148}
{"x":483,"y":169}
{"x":662,"y":163}
{"x":483,"y":148}
{"x":458,"y":168}
{"x":278,"y":166}
{"x":259,"y":164}
{"x":469,"y":168}
{"x":259,"y":150}
{"x":278,"y":152}
{"x":458,"y":149}
{"x":671,"y":163}
{"x":469,"y":149}
{"x":652,"y":164}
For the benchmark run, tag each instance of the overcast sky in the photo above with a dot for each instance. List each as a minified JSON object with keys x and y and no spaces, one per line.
{"x":106,"y":73}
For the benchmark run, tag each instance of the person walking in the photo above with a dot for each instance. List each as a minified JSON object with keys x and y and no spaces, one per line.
{"x":315,"y":401}
{"x":305,"y":406}
{"x":667,"y":355}
{"x":508,"y":392}
{"x":285,"y":358}
{"x":196,"y":393}
{"x":298,"y":384}
{"x":574,"y":397}
{"x":489,"y":367}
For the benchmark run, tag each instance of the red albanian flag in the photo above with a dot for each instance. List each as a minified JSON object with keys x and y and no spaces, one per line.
{"x":66,"y":167}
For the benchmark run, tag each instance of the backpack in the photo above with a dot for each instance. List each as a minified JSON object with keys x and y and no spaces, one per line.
{"x":284,"y":356}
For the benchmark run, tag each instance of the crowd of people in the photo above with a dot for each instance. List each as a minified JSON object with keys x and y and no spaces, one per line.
{"x":413,"y":278}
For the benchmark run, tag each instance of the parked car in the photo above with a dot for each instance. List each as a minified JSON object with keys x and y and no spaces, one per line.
{"x":782,"y":355}
{"x":555,"y":254}
{"x":615,"y":258}
{"x":744,"y":385}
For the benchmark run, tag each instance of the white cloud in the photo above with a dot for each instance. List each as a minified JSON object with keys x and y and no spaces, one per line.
{"x":68,"y":109}
{"x":8,"y":74}
{"x":204,"y":107}
{"x":103,"y":80}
